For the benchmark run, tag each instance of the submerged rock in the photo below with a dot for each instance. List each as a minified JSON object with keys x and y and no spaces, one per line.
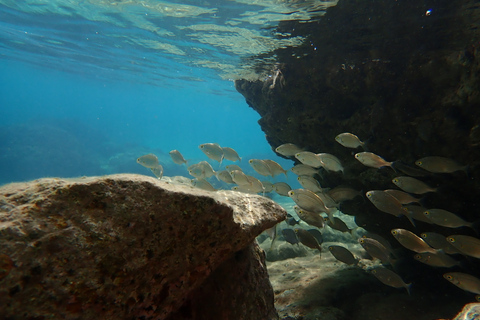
{"x":132,"y":247}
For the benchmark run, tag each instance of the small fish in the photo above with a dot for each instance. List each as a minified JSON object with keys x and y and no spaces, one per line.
{"x":411,"y":241}
{"x":310,"y":183}
{"x":213,"y":151}
{"x":387,"y":203}
{"x":312,"y":218}
{"x":302,"y":169}
{"x":416,"y":212}
{"x":177,"y":157}
{"x":372,"y":160}
{"x":339,"y":194}
{"x":307,"y":239}
{"x":282,"y":188}
{"x":439,"y":165}
{"x":261,"y":167}
{"x":409,"y":170}
{"x":337,"y":224}
{"x":317,"y":234}
{"x":288,"y":149}
{"x":349,"y":140}
{"x":439,"y":241}
{"x":329,"y":202}
{"x":402,"y":197}
{"x":230,"y":154}
{"x":272,"y":233}
{"x":203,"y":184}
{"x":148,"y":161}
{"x":158,"y":171}
{"x":290,"y":220}
{"x":290,"y":236}
{"x":244,"y":189}
{"x":267,"y":185}
{"x":232,"y":167}
{"x":344,"y":255}
{"x":412,"y":185}
{"x":308,"y":200}
{"x":330,"y":162}
{"x":377,"y":250}
{"x":380,"y":239}
{"x":467,"y":245}
{"x":447,"y":219}
{"x":275,"y":167}
{"x":201,"y":170}
{"x":437,"y":259}
{"x":255,"y":185}
{"x":239,"y":177}
{"x":464,"y":281}
{"x":224,"y":176}
{"x":309,"y":158}
{"x":390,"y":278}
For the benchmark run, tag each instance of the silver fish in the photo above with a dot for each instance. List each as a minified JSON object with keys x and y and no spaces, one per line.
{"x":464,"y":281}
{"x":302,"y":169}
{"x":290,"y":236}
{"x":388,"y":203}
{"x":330,"y":162}
{"x":224,"y":176}
{"x":438,"y":259}
{"x":310,"y":183}
{"x":467,"y":245}
{"x":177,"y":157}
{"x":148,"y":161}
{"x":349,"y":140}
{"x":412,"y":185}
{"x":213,"y":151}
{"x":275,"y":167}
{"x":402,"y":197}
{"x":282,"y":188}
{"x":439,"y":165}
{"x":416,"y":212}
{"x":372,"y":160}
{"x":239,"y":177}
{"x":307,"y":239}
{"x":411,"y":241}
{"x":376,"y":249}
{"x":390,"y":278}
{"x":261,"y":167}
{"x":337,"y":224}
{"x":344,"y":255}
{"x":312,"y":218}
{"x":446,"y":218}
{"x":203,"y":184}
{"x":308,"y":200}
{"x":439,"y":241}
{"x":339,"y":194}
{"x":230,"y":154}
{"x":267,"y":185}
{"x":309,"y":158}
{"x":201,"y":170}
{"x":288,"y":149}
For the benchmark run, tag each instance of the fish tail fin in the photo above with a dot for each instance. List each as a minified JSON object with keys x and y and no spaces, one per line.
{"x":392,"y":165}
{"x":408,"y":286}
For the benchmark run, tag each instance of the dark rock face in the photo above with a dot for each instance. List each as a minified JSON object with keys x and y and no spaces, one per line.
{"x":131,"y":247}
{"x":404,"y":77}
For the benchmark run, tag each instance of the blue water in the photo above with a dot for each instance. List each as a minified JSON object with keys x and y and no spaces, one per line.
{"x":86,"y":90}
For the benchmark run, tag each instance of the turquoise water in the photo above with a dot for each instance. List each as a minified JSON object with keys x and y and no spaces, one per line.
{"x":87,"y":87}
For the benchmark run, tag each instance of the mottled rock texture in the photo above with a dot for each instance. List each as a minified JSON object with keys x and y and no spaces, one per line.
{"x":131,"y":247}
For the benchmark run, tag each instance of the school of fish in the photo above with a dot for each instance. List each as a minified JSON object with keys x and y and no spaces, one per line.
{"x":317,"y":207}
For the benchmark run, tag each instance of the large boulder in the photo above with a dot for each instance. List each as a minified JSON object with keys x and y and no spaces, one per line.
{"x":131,"y":247}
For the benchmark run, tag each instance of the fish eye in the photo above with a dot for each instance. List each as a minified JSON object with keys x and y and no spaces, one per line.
{"x":451,"y":239}
{"x":417,"y":256}
{"x":419,"y":163}
{"x":426,"y":213}
{"x":423,"y":235}
{"x":448,"y":277}
{"x":394,"y":232}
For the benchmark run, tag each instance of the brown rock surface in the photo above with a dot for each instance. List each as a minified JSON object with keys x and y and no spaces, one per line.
{"x":126,"y":247}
